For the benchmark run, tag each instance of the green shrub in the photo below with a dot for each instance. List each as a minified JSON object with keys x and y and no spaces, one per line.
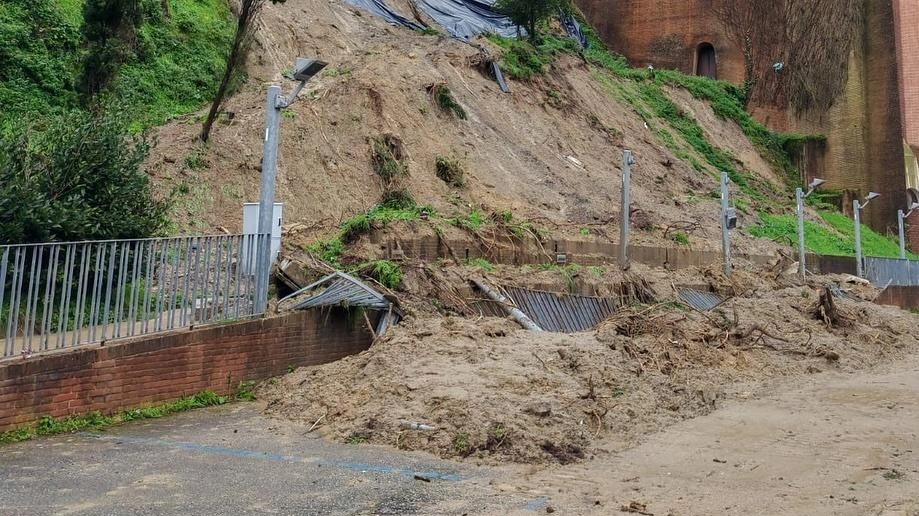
{"x":79,"y":179}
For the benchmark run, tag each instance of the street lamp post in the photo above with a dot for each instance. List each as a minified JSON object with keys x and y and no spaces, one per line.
{"x":900,"y":225}
{"x":799,"y":202}
{"x":304,"y":70}
{"x":728,"y":222}
{"x":627,"y":162}
{"x":856,"y":212}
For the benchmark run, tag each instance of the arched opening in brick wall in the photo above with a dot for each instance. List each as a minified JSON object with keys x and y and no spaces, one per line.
{"x":706,"y":61}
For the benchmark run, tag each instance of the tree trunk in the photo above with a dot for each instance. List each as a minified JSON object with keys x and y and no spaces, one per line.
{"x":164,"y":5}
{"x":246,"y":15}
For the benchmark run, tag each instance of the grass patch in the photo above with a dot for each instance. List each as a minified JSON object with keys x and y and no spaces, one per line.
{"x":521,"y":59}
{"x":836,"y":238}
{"x":444,"y":99}
{"x":679,"y":237}
{"x":481,"y":263}
{"x":388,"y":273}
{"x":95,"y":421}
{"x":332,"y":249}
{"x":472,"y":222}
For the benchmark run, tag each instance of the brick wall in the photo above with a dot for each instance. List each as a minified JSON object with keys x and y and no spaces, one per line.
{"x":906,"y":298}
{"x":906,"y":15}
{"x":168,"y":366}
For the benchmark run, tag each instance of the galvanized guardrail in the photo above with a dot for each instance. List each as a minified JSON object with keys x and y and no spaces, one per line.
{"x":58,"y":295}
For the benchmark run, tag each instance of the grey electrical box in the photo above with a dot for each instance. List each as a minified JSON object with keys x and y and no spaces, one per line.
{"x":730,"y":216}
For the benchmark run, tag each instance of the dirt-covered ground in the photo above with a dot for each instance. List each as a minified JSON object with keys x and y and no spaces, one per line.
{"x":487,"y":390}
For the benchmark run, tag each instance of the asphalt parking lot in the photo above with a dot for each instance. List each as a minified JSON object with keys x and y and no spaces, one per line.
{"x":231,"y":460}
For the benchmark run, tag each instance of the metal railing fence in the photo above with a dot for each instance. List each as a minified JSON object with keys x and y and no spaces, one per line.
{"x":58,"y":295}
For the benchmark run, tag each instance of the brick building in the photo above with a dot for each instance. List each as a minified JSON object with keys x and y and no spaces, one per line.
{"x":871,"y":123}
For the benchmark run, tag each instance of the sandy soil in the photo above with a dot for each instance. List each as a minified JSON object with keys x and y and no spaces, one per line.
{"x":830,"y":443}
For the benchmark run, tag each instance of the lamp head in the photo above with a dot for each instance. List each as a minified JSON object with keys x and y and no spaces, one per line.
{"x":872,"y":195}
{"x":816,"y":183}
{"x":305,"y":69}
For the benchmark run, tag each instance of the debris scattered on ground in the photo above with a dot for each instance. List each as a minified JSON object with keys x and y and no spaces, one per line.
{"x":494,"y":392}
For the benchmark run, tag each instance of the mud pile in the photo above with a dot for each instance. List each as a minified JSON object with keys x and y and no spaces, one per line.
{"x":486,"y":389}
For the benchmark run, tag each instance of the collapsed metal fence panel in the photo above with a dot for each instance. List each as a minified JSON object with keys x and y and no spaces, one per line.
{"x":553,"y":312}
{"x":58,"y":295}
{"x":882,"y":272}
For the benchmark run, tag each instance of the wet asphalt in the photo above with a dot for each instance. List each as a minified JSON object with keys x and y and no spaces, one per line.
{"x":231,"y":460}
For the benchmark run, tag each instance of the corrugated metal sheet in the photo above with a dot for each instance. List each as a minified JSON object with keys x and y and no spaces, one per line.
{"x":702,"y":301}
{"x":338,"y":289}
{"x":882,"y":272}
{"x":563,"y":313}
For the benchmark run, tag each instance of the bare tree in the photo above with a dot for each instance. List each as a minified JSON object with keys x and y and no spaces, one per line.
{"x":246,"y":23}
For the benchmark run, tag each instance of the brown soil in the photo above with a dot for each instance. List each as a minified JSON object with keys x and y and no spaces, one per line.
{"x":514,"y":148}
{"x":495,"y":392}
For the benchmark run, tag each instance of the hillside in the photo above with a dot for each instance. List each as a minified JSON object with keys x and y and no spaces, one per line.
{"x":174,"y":67}
{"x":539,"y":152}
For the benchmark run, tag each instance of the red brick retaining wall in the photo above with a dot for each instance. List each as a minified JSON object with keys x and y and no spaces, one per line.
{"x":168,"y":366}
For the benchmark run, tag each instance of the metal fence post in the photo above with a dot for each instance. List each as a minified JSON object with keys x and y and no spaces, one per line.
{"x":725,"y":234}
{"x":902,"y":233}
{"x":624,"y":209}
{"x":856,"y":208}
{"x":266,"y":200}
{"x":799,"y":204}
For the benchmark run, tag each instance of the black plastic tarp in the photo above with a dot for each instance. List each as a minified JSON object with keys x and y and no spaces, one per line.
{"x":379,"y":8}
{"x":465,"y":19}
{"x":572,"y":28}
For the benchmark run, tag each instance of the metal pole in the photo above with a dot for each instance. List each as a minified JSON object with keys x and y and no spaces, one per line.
{"x":624,"y":207}
{"x":799,"y":200}
{"x":266,"y":202}
{"x":900,"y":217}
{"x":725,"y":237}
{"x":856,"y":208}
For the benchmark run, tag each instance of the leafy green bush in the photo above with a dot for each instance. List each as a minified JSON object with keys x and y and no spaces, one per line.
{"x":78,"y":179}
{"x":388,"y":273}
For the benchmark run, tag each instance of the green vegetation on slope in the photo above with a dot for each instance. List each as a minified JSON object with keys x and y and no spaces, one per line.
{"x":175,"y":66}
{"x":836,"y":238}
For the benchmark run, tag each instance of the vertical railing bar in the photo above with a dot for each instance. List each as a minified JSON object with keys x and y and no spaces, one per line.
{"x":85,"y":261}
{"x":160,"y":287}
{"x":66,"y":285}
{"x":250,"y":299}
{"x":122,"y":288}
{"x":3,"y":266}
{"x":193,"y":282}
{"x":28,"y":328}
{"x":12,"y":321}
{"x":217,"y":264}
{"x":148,"y":284}
{"x":239,"y":254}
{"x":109,"y":284}
{"x":96,"y":293}
{"x":135,"y":290}
{"x":189,"y":249}
{"x":207,"y":275}
{"x":50,"y":287}
{"x":174,"y":286}
{"x":226,"y":287}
